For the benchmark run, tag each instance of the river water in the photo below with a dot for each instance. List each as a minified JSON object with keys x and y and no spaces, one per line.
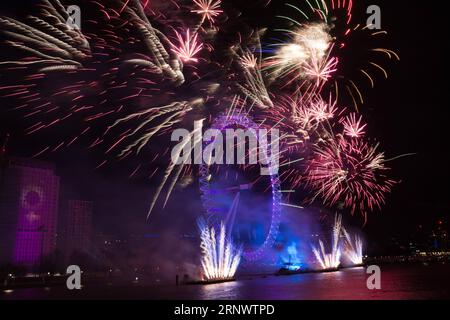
{"x":398,"y":282}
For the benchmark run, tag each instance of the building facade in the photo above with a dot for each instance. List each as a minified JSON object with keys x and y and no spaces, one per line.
{"x":29,"y":194}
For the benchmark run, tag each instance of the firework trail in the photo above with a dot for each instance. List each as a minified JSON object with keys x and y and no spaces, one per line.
{"x":330,"y":260}
{"x":304,"y":119}
{"x":175,"y":110}
{"x":127,"y":82}
{"x":353,"y":248}
{"x":220,"y":257}
{"x":94,"y":94}
{"x":194,"y":140}
{"x":162,"y":62}
{"x":51,"y":45}
{"x":306,"y":57}
{"x":254,"y":86}
{"x":326,"y":28}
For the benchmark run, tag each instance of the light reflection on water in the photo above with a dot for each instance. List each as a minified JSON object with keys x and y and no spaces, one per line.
{"x":221,"y":291}
{"x":398,"y":282}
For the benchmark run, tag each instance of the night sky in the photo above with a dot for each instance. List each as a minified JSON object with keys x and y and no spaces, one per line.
{"x":408,"y":113}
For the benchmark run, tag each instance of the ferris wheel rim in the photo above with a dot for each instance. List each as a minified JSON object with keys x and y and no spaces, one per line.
{"x":221,"y":123}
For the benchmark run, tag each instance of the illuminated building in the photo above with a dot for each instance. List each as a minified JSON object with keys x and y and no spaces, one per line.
{"x":28,"y":212}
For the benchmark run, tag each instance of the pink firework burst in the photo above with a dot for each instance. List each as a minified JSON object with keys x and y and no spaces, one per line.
{"x":322,"y":110}
{"x":350,"y":172}
{"x":321,"y":70}
{"x":353,"y":127}
{"x":208,"y":9}
{"x":310,"y":112}
{"x":187,"y":47}
{"x":249,"y":61}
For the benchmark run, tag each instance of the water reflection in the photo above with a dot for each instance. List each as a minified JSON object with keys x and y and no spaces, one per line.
{"x":398,"y":282}
{"x":221,"y":291}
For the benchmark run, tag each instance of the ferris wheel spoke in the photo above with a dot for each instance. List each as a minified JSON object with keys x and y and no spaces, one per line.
{"x":214,"y":197}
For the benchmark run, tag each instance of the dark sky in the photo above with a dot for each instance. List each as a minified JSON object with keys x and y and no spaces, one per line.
{"x":407,"y":113}
{"x":411,"y":115}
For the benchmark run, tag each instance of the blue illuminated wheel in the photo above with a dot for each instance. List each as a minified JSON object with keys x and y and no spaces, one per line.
{"x":239,"y":196}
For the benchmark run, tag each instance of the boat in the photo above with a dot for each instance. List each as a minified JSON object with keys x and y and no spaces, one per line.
{"x":290,"y":268}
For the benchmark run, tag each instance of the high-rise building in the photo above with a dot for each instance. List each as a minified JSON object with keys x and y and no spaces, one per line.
{"x":78,"y":227}
{"x":29,"y":193}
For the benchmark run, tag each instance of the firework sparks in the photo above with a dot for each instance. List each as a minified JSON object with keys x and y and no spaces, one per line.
{"x":328,"y":152}
{"x":321,"y":110}
{"x":52,"y":47}
{"x":293,"y":61}
{"x":163,"y":63}
{"x":253,"y":86}
{"x":321,"y":71}
{"x":307,"y":56}
{"x":353,"y":127}
{"x":248,"y":60}
{"x":332,"y":260}
{"x":353,"y":248}
{"x":175,"y":111}
{"x":208,"y":9}
{"x":194,"y":135}
{"x":303,"y":115}
{"x":188,"y":46}
{"x":352,"y":172}
{"x":220,"y":257}
{"x":297,"y":121}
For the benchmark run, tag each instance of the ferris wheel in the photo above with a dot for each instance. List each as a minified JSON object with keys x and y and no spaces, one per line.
{"x":237,"y":196}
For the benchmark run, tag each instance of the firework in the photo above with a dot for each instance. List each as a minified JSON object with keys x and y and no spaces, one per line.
{"x":248,"y":60}
{"x":187,"y":47}
{"x":321,"y":70}
{"x":321,"y":110}
{"x":162,"y":62}
{"x":339,"y":36}
{"x":351,"y":172}
{"x":208,"y":9}
{"x":353,"y":126}
{"x":332,"y":260}
{"x":121,"y":89}
{"x":253,"y":85}
{"x":326,"y":153}
{"x":301,"y":117}
{"x":305,"y":57}
{"x":220,"y":257}
{"x":353,"y":249}
{"x":195,"y":136}
{"x":93,"y":76}
{"x":170,"y":114}
{"x":51,"y":46}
